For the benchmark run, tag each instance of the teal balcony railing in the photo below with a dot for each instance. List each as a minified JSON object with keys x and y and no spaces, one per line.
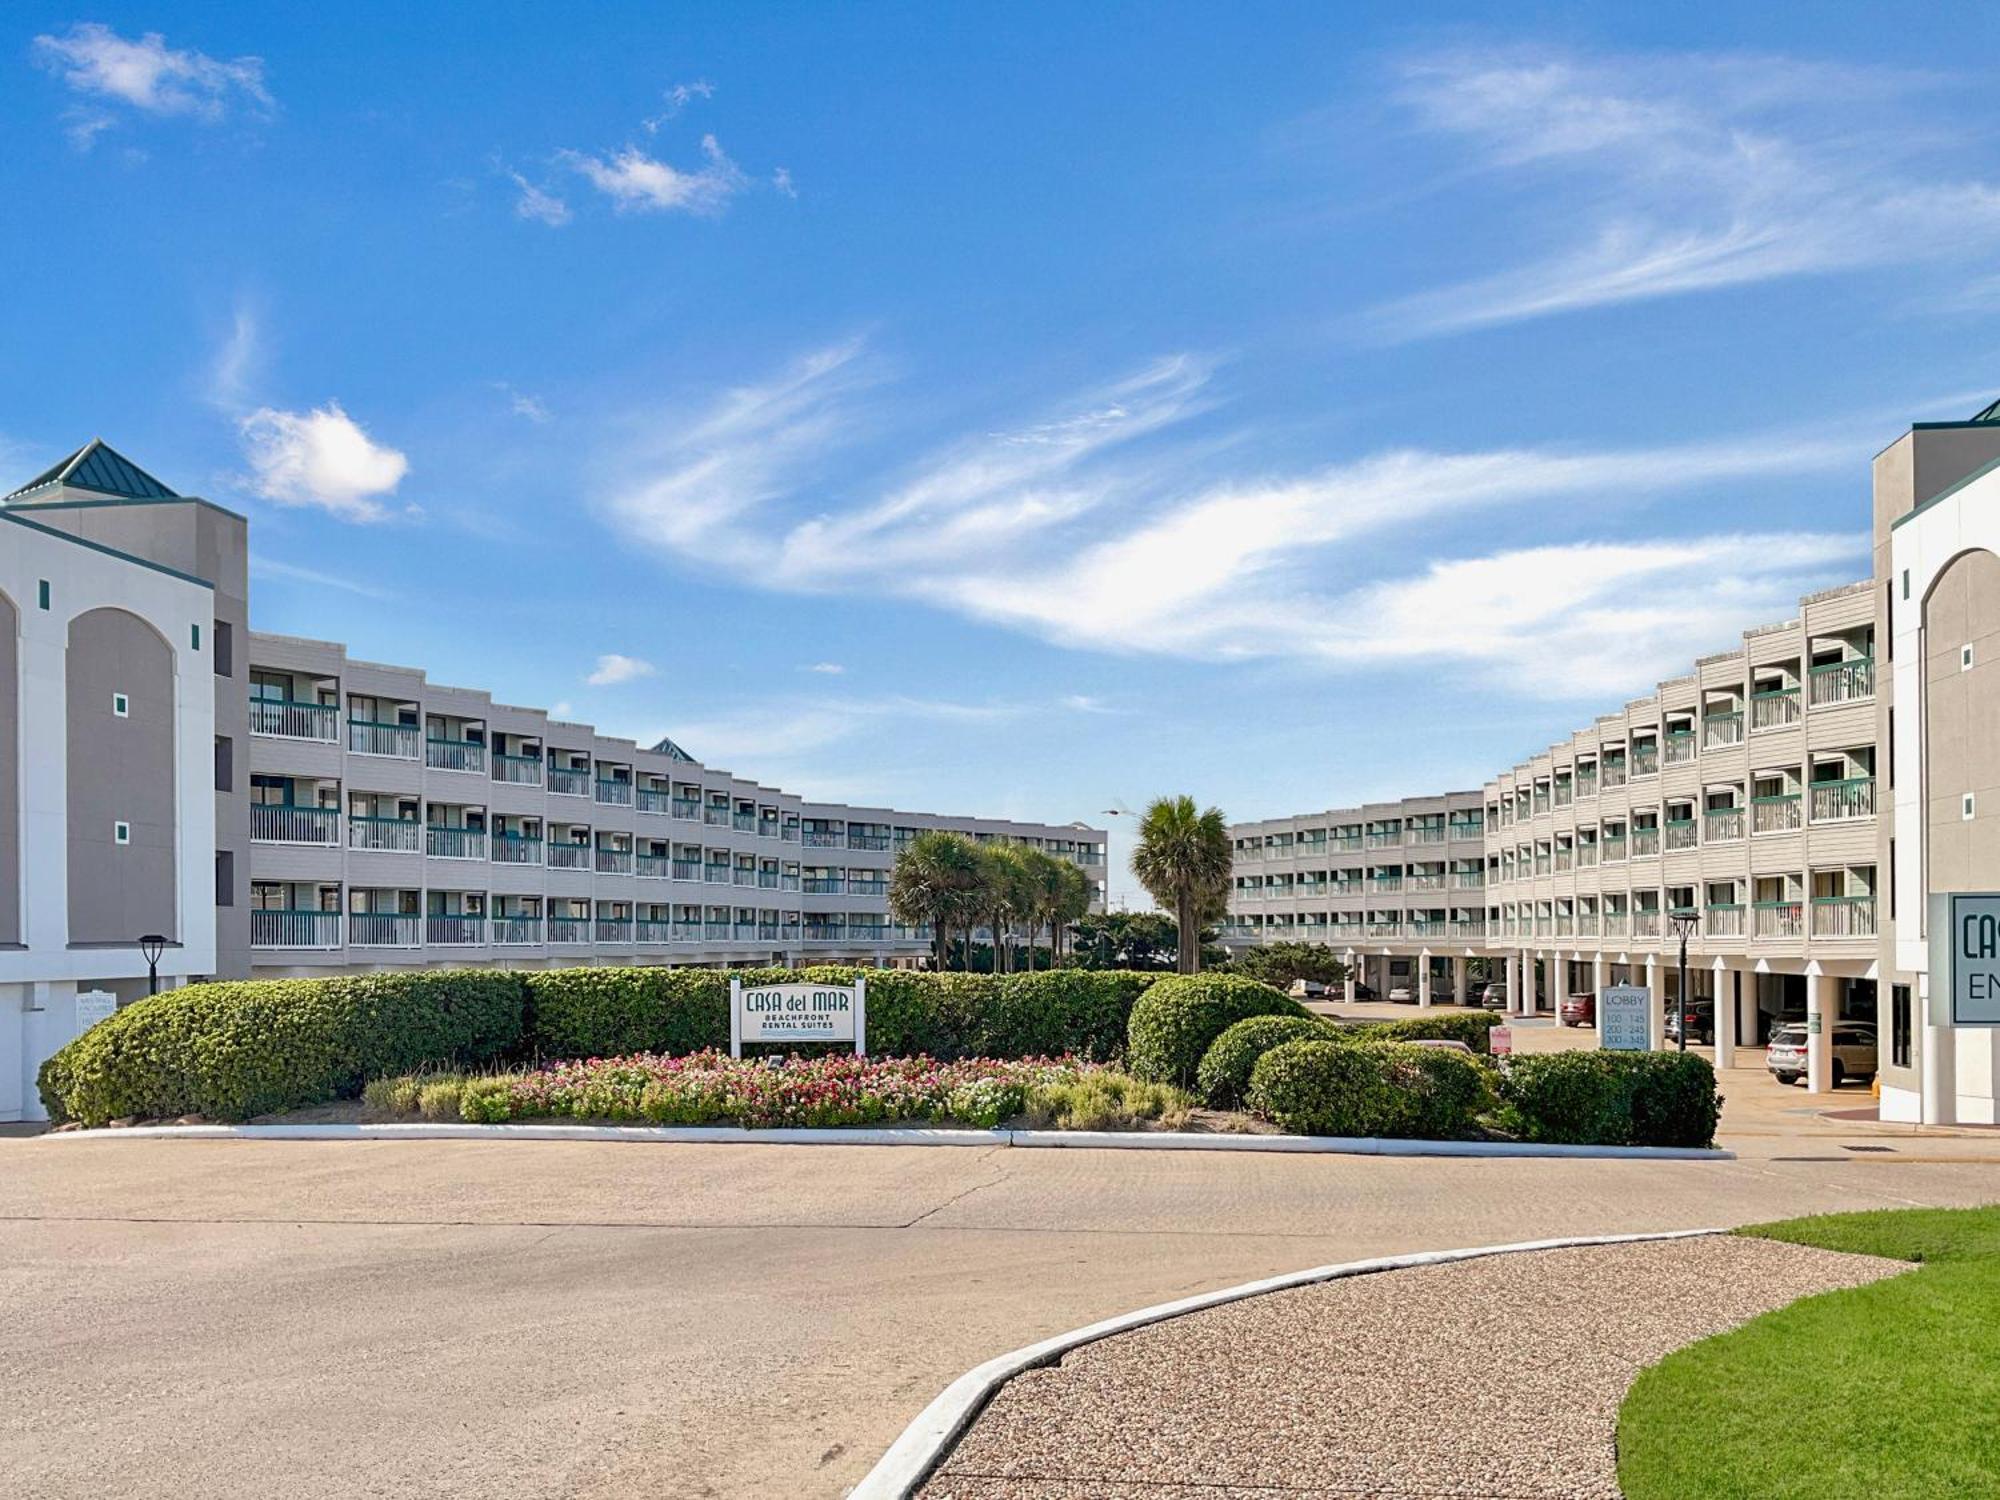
{"x":569,"y":781}
{"x":1843,"y":917}
{"x":447,"y":841}
{"x":569,"y":929}
{"x":1777,"y":812}
{"x":517,"y":848}
{"x":454,"y":930}
{"x":442,"y":754}
{"x":520,"y":770}
{"x":384,"y":835}
{"x":382,"y":929}
{"x":284,"y":719}
{"x":1847,"y":681}
{"x":517,"y":931}
{"x":1773,"y":708}
{"x":284,"y":823}
{"x":1838,"y":801}
{"x":373,"y":737}
{"x":294,"y":929}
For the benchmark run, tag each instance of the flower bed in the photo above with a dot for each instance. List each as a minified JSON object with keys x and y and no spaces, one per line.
{"x":709,"y":1088}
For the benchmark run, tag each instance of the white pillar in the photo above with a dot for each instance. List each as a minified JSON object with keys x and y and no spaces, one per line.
{"x":1458,"y":981}
{"x":1939,"y":1081}
{"x":1598,"y":976}
{"x":1819,"y":1030}
{"x":1353,"y":974}
{"x":1424,"y":980}
{"x":1725,"y":1016}
{"x":1656,"y":1010}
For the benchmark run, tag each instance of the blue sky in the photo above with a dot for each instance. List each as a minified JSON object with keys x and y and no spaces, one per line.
{"x":1016,"y":410}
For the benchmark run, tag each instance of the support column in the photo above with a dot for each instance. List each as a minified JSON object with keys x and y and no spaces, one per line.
{"x":1599,"y":974}
{"x":1939,"y":1081}
{"x":1458,"y":981}
{"x":1353,"y":973}
{"x":1725,"y":1016}
{"x":1819,"y":1029}
{"x":1424,"y":980}
{"x":1656,"y":1010}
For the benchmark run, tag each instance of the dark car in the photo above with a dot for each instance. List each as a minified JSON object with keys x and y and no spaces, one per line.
{"x":1361,"y":992}
{"x":1494,"y":997}
{"x":1700,"y":1016}
{"x":1579,"y":1010}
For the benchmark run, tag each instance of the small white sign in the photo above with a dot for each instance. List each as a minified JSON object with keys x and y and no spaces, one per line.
{"x":1625,"y":1018}
{"x":798,"y":1013}
{"x":1500,"y":1041}
{"x":1974,"y":940}
{"x":93,"y":1006}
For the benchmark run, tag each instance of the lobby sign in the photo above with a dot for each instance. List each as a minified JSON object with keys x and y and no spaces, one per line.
{"x":1970,"y":940}
{"x":1624,"y":1018}
{"x":798,"y":1013}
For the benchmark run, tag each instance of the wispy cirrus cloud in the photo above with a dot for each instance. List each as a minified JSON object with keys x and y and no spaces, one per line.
{"x":613,"y":669}
{"x":637,"y":182}
{"x":1088,"y":527}
{"x":1679,"y":173}
{"x":110,"y":72}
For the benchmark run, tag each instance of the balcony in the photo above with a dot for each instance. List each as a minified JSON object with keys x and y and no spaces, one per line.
{"x":614,"y":862}
{"x":1646,"y":759}
{"x":444,"y":841}
{"x":652,"y":932}
{"x":283,"y":719}
{"x":520,"y":770}
{"x":648,"y":800}
{"x":1776,"y":813}
{"x":1417,"y":883}
{"x":384,"y":929}
{"x":1841,"y":801}
{"x":820,"y":885}
{"x":1617,"y":924}
{"x":1614,"y":774}
{"x":767,"y":932}
{"x":1586,"y":856}
{"x":767,"y":880}
{"x":569,"y":929}
{"x":1646,"y":922}
{"x":512,"y":932}
{"x":1384,"y":929}
{"x":383,"y":835}
{"x":283,"y":823}
{"x":1774,"y":708}
{"x":743,"y":875}
{"x":718,"y":932}
{"x":1422,"y":927}
{"x":715,"y":874}
{"x":716,"y":815}
{"x":652,"y":866}
{"x":824,"y":838}
{"x":1719,"y":731}
{"x":294,"y":929}
{"x":1681,"y":834}
{"x":1346,"y":843}
{"x":613,"y":929}
{"x":746,"y":822}
{"x":791,"y":834}
{"x":1843,"y":916}
{"x":1645,"y":841}
{"x":517,"y":848}
{"x":1468,"y":927}
{"x":687,"y":869}
{"x":1850,"y":681}
{"x":1565,"y":861}
{"x":1680,"y":747}
{"x":454,"y":755}
{"x":567,"y":781}
{"x":1377,"y":839}
{"x":1780,"y":919}
{"x":1462,"y":880}
{"x":1722,"y":920}
{"x":1614,"y":848}
{"x":454,"y":930}
{"x":1586,"y":781}
{"x":371,"y":737}
{"x":687,"y":809}
{"x":614,"y":793}
{"x":1722,"y":825}
{"x":867,"y":840}
{"x":686,"y":932}
{"x":569,"y":857}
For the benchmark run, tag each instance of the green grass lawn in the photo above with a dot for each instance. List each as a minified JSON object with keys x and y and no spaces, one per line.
{"x":1883,"y":1392}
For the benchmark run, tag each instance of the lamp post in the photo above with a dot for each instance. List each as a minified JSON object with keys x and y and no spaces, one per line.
{"x":1685,"y":920}
{"x":151,"y":946}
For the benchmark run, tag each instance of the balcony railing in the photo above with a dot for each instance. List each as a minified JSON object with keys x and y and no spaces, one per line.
{"x":1617,"y":923}
{"x":1780,"y":919}
{"x":516,"y":931}
{"x":687,"y":869}
{"x":719,"y":932}
{"x":767,"y":880}
{"x":1722,"y":824}
{"x":1847,"y":681}
{"x":454,"y":930}
{"x":652,"y":932}
{"x":716,"y":815}
{"x":521,"y":770}
{"x":1384,"y":929}
{"x":613,"y":929}
{"x":1565,"y":860}
{"x":1722,"y":919}
{"x":371,"y":737}
{"x":384,"y":929}
{"x":564,"y":856}
{"x":1417,"y":883}
{"x":1843,"y":917}
{"x":1774,"y":708}
{"x":1681,"y":834}
{"x":614,"y":793}
{"x":569,"y":929}
{"x":517,"y":848}
{"x":824,"y":838}
{"x":1468,"y":927}
{"x":791,"y":834}
{"x":294,"y":929}
{"x":286,"y":720}
{"x":445,"y":841}
{"x":1680,"y":747}
{"x":568,"y":781}
{"x":767,"y":932}
{"x":1645,"y":841}
{"x":688,"y":809}
{"x":1466,"y":880}
{"x":651,"y":800}
{"x":687,"y":932}
{"x":1345,"y":842}
{"x":820,"y":885}
{"x":383,"y":835}
{"x":1646,"y":758}
{"x":1718,"y":730}
{"x":284,"y":823}
{"x":1646,"y":923}
{"x":746,"y":822}
{"x":1614,"y":774}
{"x":1614,"y":848}
{"x":767,"y":828}
{"x":715,"y":874}
{"x":614,"y":861}
{"x":743,"y":875}
{"x":442,"y":754}
{"x":1380,"y":839}
{"x":652,"y":866}
{"x":788,"y":883}
{"x":867,"y":840}
{"x":1838,"y":801}
{"x":1586,"y":856}
{"x":1776,"y":812}
{"x":1586,"y":781}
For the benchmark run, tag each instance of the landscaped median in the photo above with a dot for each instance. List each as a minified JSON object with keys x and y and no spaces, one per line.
{"x":1063,"y":1050}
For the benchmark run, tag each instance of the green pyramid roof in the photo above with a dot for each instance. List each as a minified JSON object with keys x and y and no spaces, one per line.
{"x":102,"y":469}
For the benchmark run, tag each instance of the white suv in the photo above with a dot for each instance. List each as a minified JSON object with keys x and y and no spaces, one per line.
{"x":1853,"y":1045}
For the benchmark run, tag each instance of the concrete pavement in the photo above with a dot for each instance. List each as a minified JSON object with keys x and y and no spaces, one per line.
{"x":232,"y":1318}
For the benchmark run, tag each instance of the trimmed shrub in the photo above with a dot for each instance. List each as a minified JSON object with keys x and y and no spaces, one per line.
{"x":609,"y":1012}
{"x":1613,"y":1099}
{"x":234,"y":1050}
{"x":1223,"y":1078}
{"x":1370,"y":1089}
{"x":1469,"y":1027}
{"x":1176,"y":1020}
{"x":1061,"y":1012}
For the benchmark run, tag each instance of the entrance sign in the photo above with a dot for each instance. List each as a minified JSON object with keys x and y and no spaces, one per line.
{"x":93,"y":1006}
{"x":1499,"y":1041}
{"x":798,"y":1013}
{"x":1624,"y":1018}
{"x":1970,"y":939}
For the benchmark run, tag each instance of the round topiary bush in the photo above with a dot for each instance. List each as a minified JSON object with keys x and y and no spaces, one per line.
{"x":1613,"y":1098}
{"x":1174,"y":1022}
{"x":1224,"y":1075}
{"x":1371,"y":1089}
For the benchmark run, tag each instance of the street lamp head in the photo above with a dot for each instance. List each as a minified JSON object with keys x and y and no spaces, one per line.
{"x":151,"y":946}
{"x":1686,"y":921}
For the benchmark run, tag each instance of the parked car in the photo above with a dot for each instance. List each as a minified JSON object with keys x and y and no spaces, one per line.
{"x":1365,"y":991}
{"x":1853,"y":1045}
{"x":1579,"y":1009}
{"x":1494,"y":997}
{"x":1400,"y":994}
{"x":1307,"y":989}
{"x":1700,"y":1016}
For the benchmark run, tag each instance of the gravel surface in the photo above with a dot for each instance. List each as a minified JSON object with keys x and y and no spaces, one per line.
{"x":1497,"y":1378}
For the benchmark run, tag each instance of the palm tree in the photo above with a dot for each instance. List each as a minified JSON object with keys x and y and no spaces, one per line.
{"x":1183,"y":862}
{"x":936,"y":880}
{"x":1077,"y":894}
{"x":1042,"y":903}
{"x":1002,"y":896}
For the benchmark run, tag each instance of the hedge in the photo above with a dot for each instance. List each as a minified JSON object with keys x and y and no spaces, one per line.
{"x":1224,"y":1075}
{"x":229,"y":1051}
{"x":1471,"y":1028}
{"x":1613,"y":1098}
{"x":1176,"y":1019}
{"x":1349,"y":1088}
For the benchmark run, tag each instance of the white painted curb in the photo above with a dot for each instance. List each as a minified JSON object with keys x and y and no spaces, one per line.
{"x":910,"y":1135}
{"x":915,"y":1456}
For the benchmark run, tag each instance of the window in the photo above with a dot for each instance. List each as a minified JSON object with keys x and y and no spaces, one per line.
{"x":42,"y":594}
{"x":1899,"y":1025}
{"x":1965,"y":807}
{"x":225,"y":763}
{"x":194,"y":636}
{"x":1965,"y":658}
{"x":225,"y":878}
{"x":121,"y":833}
{"x":1906,"y":583}
{"x":121,"y":705}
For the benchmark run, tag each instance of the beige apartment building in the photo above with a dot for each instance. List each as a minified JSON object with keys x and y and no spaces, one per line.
{"x":1795,"y":801}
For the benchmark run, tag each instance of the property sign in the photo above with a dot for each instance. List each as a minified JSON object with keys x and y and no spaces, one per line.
{"x":1625,"y":1018}
{"x":798,"y":1013}
{"x":1500,"y":1041}
{"x":1972,"y":947}
{"x":93,"y":1006}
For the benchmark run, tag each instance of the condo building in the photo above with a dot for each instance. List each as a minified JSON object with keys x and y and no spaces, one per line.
{"x":1797,"y":801}
{"x":269,"y":806}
